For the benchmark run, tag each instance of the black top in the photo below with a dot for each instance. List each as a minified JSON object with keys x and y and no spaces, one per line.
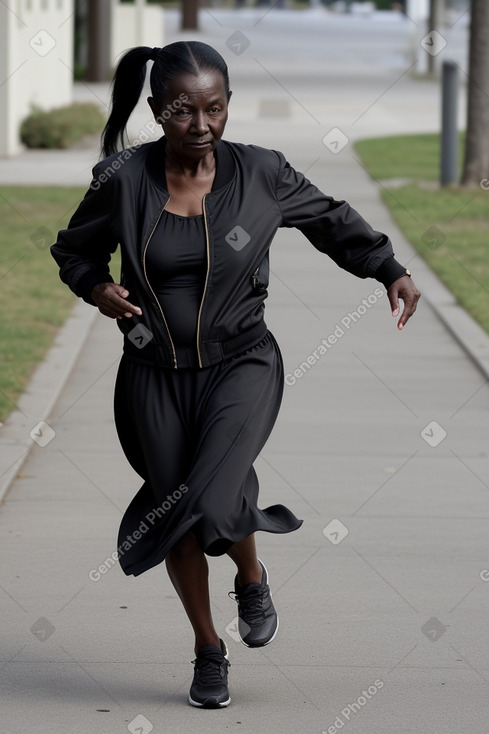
{"x":258,"y":192}
{"x":176,"y":265}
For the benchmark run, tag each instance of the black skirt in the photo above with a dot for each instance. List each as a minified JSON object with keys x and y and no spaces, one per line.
{"x":193,"y":435}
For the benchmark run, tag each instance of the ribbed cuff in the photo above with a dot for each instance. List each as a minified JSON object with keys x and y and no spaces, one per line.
{"x":87,"y":283}
{"x":389,"y":271}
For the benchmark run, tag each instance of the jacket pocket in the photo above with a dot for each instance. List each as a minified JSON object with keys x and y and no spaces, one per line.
{"x":261,"y":276}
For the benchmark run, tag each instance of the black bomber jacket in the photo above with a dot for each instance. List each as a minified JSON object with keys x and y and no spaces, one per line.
{"x":255,"y":191}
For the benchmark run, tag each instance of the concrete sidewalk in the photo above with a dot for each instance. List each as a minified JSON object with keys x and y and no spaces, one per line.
{"x":381,"y":447}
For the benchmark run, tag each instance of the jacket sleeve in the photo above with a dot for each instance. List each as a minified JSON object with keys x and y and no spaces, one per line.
{"x":83,"y":250}
{"x":335,"y":228}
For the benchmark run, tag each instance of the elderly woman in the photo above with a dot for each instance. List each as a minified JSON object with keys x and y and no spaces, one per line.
{"x":201,"y":378}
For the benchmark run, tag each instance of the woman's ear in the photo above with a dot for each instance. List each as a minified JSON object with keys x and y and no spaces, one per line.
{"x":154,"y":109}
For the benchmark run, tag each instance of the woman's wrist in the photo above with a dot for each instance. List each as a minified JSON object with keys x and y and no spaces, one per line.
{"x":389,"y":271}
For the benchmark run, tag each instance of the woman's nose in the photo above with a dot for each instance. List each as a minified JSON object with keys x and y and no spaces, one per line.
{"x":199,"y":123}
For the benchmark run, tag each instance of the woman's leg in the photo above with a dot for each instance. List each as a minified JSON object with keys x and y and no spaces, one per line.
{"x":257,"y":618}
{"x":189,"y":573}
{"x":243,"y":553}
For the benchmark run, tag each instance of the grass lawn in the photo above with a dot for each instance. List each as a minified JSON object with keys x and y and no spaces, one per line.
{"x":34,"y":303}
{"x":449,"y":227}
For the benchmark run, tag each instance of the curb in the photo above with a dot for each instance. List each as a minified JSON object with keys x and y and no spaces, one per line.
{"x":467,"y":332}
{"x":469,"y":335}
{"x":39,"y":399}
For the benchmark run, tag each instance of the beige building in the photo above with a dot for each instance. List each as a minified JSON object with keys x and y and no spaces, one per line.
{"x":36,"y":54}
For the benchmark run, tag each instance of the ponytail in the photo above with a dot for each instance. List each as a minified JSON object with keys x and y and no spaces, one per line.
{"x":126,"y":89}
{"x":181,"y":57}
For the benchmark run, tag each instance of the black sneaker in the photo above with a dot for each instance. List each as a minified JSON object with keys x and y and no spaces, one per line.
{"x":257,"y":618}
{"x":209,"y":687}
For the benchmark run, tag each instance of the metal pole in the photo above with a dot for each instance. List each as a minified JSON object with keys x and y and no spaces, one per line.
{"x":449,"y":133}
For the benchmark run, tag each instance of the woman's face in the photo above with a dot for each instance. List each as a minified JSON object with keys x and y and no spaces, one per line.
{"x":193,"y":115}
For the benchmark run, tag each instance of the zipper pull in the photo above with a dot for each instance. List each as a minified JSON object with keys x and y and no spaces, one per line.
{"x":255,"y":281}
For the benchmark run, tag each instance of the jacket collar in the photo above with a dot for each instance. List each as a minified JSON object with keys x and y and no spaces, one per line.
{"x":225,"y":164}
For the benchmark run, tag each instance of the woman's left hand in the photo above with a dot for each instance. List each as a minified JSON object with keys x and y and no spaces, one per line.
{"x":405,"y":289}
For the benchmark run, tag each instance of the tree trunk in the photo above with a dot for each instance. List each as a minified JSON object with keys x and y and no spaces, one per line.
{"x":98,"y":32}
{"x":190,"y":15}
{"x":476,"y":166}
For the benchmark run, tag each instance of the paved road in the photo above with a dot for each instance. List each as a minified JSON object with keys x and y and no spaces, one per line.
{"x":381,"y":447}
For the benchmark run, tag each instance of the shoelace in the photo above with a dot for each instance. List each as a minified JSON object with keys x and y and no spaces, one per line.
{"x":250,"y":605}
{"x":213,"y":667}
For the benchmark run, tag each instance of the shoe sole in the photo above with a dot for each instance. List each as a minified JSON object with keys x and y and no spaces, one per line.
{"x":209,"y":704}
{"x":263,"y":644}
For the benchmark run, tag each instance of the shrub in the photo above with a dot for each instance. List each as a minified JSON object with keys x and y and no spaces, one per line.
{"x":61,"y":127}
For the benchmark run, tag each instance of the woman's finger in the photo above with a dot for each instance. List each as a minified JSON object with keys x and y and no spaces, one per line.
{"x":111,"y":299}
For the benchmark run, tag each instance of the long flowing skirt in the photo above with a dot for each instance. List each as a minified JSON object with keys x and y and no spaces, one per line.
{"x":193,"y":435}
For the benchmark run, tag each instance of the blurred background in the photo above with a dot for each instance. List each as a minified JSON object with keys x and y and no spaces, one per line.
{"x":52,"y":52}
{"x":384,"y":104}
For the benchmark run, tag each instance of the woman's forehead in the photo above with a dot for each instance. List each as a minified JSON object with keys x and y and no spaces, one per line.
{"x":205,"y":83}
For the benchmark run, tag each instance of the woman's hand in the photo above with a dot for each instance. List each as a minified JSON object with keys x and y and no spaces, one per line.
{"x":111,"y":301}
{"x":405,"y":289}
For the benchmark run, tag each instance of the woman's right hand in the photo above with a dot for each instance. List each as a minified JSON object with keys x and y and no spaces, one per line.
{"x":110,"y":298}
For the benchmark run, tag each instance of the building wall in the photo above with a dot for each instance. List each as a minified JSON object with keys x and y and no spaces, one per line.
{"x":36,"y":54}
{"x":135,"y":24}
{"x":36,"y":62}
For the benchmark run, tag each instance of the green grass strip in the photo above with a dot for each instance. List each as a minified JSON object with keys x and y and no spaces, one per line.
{"x":33,"y":301}
{"x":449,"y":227}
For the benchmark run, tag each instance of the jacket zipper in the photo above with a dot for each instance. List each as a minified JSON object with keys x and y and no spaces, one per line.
{"x":152,"y":291}
{"x":206,"y":279}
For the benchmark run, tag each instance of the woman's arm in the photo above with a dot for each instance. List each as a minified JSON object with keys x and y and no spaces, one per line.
{"x":338,"y":230}
{"x":83,"y":250}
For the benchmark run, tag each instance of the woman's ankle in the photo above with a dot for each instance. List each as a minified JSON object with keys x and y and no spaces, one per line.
{"x":250,"y":574}
{"x":210,"y":639}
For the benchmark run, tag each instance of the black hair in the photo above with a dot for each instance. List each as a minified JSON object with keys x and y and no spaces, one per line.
{"x":182,"y":57}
